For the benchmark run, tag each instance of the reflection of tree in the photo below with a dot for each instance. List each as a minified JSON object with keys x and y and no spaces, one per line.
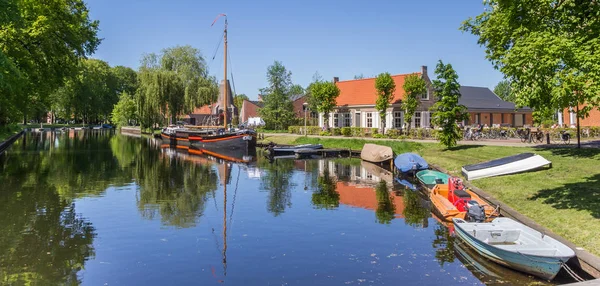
{"x":385,"y":206}
{"x":43,"y":241}
{"x":443,"y":244}
{"x":326,"y":197}
{"x":415,"y":214}
{"x":277,"y":180}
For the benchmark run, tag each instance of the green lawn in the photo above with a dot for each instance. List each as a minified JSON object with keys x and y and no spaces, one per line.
{"x":565,"y":198}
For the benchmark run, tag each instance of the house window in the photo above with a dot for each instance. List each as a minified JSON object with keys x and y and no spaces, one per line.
{"x":425,"y":96}
{"x":369,"y":119}
{"x":397,"y":119}
{"x":335,"y":120}
{"x":417,"y":119}
{"x":347,"y":120}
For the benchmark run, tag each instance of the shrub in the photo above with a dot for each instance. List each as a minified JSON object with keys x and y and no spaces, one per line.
{"x":378,"y":136}
{"x":325,"y":133}
{"x":374,"y":131}
{"x":346,"y":131}
{"x":392,"y":133}
{"x":294,"y":129}
{"x":356,"y":131}
{"x":336,"y":131}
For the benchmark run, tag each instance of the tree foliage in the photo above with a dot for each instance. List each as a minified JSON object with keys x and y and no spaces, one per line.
{"x":41,"y":44}
{"x":278,"y":110}
{"x":385,"y":86}
{"x":326,"y":197}
{"x":386,"y":209}
{"x":324,"y":94}
{"x":546,"y":48}
{"x":124,"y":111}
{"x":447,"y":111}
{"x":414,"y":86}
{"x":502,"y":90}
{"x":359,"y":76}
{"x":173,"y":83}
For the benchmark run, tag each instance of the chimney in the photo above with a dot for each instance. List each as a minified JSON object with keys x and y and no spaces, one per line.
{"x":424,"y":70}
{"x":260,"y":99}
{"x":336,"y":79}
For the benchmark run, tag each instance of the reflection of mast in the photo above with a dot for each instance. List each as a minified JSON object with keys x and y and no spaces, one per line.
{"x":225,"y":221}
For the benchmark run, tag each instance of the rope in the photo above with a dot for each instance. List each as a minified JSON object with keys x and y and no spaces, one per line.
{"x":234,"y":195}
{"x":572,"y":273}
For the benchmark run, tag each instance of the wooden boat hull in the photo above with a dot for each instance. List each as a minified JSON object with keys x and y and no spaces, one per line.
{"x":505,"y":166}
{"x":216,"y":143}
{"x":376,"y":153}
{"x":447,"y":211}
{"x":544,"y":267}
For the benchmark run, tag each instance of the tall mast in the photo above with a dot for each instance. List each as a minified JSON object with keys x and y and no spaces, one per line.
{"x":225,"y":222}
{"x":225,"y":94}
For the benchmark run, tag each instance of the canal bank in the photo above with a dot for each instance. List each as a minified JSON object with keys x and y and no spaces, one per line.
{"x":562,"y":199}
{"x":8,"y":142}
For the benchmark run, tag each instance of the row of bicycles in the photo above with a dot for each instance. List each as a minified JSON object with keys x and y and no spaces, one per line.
{"x":526,"y":135}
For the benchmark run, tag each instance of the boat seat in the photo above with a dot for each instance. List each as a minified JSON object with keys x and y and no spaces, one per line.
{"x":446,"y":204}
{"x":498,"y":236}
{"x":462,"y":194}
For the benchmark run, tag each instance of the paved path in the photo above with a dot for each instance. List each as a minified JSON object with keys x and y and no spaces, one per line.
{"x":507,"y":142}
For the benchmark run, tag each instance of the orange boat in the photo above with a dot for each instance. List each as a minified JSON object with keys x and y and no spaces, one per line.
{"x":453,"y":200}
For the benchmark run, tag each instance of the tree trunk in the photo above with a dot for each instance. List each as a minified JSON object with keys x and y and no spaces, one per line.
{"x":382,"y":124}
{"x":578,"y":131}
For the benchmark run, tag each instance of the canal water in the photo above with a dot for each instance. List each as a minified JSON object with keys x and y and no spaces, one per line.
{"x":96,"y":208}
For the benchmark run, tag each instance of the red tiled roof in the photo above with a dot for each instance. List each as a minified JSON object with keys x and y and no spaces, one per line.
{"x":363,"y":92}
{"x":365,"y":197}
{"x":205,"y":109}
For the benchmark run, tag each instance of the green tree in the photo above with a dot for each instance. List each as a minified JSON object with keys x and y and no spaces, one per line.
{"x":503,"y":91}
{"x":385,"y":86}
{"x":238,"y":100}
{"x":296,"y":89}
{"x":414,"y":86}
{"x":41,"y":44}
{"x":173,"y":83}
{"x":124,"y":111}
{"x":324,"y":94}
{"x":125,"y":79}
{"x":547,"y":49}
{"x":447,"y":111}
{"x":278,"y":110}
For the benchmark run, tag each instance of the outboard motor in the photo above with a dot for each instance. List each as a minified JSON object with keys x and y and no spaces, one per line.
{"x":475,"y":212}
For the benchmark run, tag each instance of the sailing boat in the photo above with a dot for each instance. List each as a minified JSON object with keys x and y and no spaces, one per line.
{"x":214,"y":138}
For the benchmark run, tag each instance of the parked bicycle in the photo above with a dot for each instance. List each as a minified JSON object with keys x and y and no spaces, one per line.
{"x":563,"y":137}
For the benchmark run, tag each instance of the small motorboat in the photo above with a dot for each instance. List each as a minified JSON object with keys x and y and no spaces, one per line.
{"x":430,"y":178}
{"x":505,"y":166}
{"x":515,"y":245}
{"x":453,"y":200}
{"x":376,"y":153}
{"x":410,"y":162}
{"x":291,"y":150}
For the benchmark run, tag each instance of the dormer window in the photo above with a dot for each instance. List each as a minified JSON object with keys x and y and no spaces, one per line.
{"x":425,"y":96}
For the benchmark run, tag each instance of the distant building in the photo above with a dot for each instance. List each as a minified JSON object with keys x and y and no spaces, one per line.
{"x":212,"y":114}
{"x":356,"y":106}
{"x":250,"y":109}
{"x":568,"y":117}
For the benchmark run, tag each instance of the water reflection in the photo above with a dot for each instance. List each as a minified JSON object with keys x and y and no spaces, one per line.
{"x":326,"y":197}
{"x":277,"y":181}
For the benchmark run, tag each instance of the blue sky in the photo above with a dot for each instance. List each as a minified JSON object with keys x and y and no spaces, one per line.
{"x":335,"y":38}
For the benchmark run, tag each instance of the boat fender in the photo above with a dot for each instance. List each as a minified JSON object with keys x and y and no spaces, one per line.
{"x":247,"y":138}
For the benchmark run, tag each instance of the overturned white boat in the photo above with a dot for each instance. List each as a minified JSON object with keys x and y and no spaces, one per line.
{"x":505,"y":166}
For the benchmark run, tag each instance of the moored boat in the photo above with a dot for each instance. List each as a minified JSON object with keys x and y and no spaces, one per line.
{"x":453,"y":200}
{"x":505,"y":166}
{"x":515,"y":245}
{"x":410,"y":162}
{"x":430,"y":178}
{"x":376,"y":153}
{"x":291,"y":150}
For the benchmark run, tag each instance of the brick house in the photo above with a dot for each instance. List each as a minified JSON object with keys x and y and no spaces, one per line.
{"x":569,"y":118}
{"x":210,"y":115}
{"x":250,"y":109}
{"x":356,"y":106}
{"x":486,"y":108}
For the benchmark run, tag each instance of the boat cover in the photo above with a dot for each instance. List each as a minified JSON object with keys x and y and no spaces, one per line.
{"x":410,"y":162}
{"x":505,"y":166}
{"x":376,"y":153}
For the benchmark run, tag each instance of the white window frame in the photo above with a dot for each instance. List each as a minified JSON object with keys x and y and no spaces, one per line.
{"x":425,"y":96}
{"x":417,"y":119}
{"x":336,"y":120}
{"x":347,"y":119}
{"x":398,"y":115}
{"x":369,"y":119}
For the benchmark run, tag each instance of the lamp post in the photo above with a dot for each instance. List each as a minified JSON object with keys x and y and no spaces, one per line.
{"x":305,"y":105}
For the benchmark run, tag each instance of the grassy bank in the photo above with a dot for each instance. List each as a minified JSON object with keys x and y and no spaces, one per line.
{"x":565,"y":198}
{"x":8,"y":130}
